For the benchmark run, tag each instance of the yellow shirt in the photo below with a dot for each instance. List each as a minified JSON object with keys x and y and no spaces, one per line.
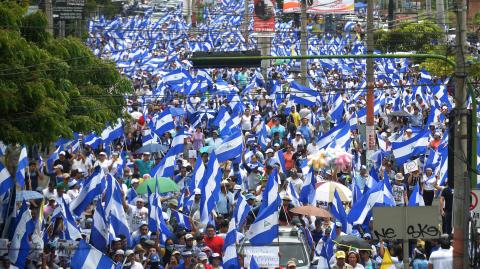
{"x":296,"y":118}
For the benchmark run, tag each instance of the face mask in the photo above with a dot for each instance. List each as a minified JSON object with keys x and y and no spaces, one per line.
{"x":169,"y":248}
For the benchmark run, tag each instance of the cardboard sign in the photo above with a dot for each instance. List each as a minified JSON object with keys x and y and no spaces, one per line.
{"x":410,"y":166}
{"x":413,"y":222}
{"x":265,"y":256}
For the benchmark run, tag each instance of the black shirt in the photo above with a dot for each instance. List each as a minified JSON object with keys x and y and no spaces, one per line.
{"x":447,"y":195}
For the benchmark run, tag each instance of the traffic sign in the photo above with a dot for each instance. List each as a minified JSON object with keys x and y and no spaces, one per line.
{"x":474,"y":204}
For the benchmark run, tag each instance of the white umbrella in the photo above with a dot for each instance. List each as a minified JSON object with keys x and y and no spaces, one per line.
{"x":326,"y":190}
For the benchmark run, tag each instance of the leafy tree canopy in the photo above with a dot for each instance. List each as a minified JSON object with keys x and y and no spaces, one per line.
{"x":409,"y":36}
{"x":51,"y":87}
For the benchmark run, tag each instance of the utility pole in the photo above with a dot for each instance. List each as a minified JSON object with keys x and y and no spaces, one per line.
{"x":246,"y":22}
{"x":440,"y":6}
{"x":428,"y":7}
{"x":303,"y":41}
{"x":49,"y":14}
{"x":370,"y":128}
{"x":461,"y":173}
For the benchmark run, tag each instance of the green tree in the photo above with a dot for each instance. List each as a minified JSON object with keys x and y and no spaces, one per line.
{"x":52,"y":87}
{"x":409,"y":36}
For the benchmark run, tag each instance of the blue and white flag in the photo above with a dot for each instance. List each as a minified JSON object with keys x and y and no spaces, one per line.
{"x":270,"y":193}
{"x":231,"y":148}
{"x":210,"y":187}
{"x":99,"y":236}
{"x":112,"y":132}
{"x":302,"y":95}
{"x":71,"y":230}
{"x":20,"y":246}
{"x":336,"y":111}
{"x":182,"y":220}
{"x":22,"y":165}
{"x":264,"y":230}
{"x":263,"y":139}
{"x":403,"y":151}
{"x":230,"y":260}
{"x":279,"y":158}
{"x":348,"y":26}
{"x":94,"y":186}
{"x":307,"y":193}
{"x":156,"y":222}
{"x":197,"y":174}
{"x":162,"y":123}
{"x":114,"y":210}
{"x":338,"y":211}
{"x":416,"y":198}
{"x":253,"y":263}
{"x":6,"y":180}
{"x":378,"y":195}
{"x":165,"y":168}
{"x":51,"y":159}
{"x":242,"y":208}
{"x":88,"y":257}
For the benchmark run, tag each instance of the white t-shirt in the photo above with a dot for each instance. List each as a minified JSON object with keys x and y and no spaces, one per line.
{"x":104,"y":165}
{"x":79,"y":164}
{"x":136,"y":216}
{"x":311,"y":149}
{"x":441,"y":259}
{"x":246,"y":123}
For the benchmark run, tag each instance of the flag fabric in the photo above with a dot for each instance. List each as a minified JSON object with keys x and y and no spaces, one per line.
{"x":93,"y":187}
{"x":263,"y":139}
{"x":210,"y":187}
{"x":72,"y":232}
{"x":279,"y":159}
{"x":338,"y":211}
{"x":156,"y":222}
{"x":88,"y":257}
{"x":24,"y":227}
{"x":253,"y":263}
{"x":6,"y":180}
{"x":162,"y":123}
{"x":230,"y":260}
{"x":416,"y":198}
{"x":51,"y":159}
{"x":403,"y":151}
{"x":242,"y":208}
{"x":114,"y":210}
{"x":231,"y":148}
{"x":182,"y":220}
{"x":302,"y":95}
{"x":99,"y":236}
{"x":265,"y":227}
{"x":307,"y":193}
{"x":270,"y":193}
{"x":197,"y":174}
{"x":387,"y":262}
{"x":22,"y":165}
{"x":165,"y":168}
{"x":378,"y":195}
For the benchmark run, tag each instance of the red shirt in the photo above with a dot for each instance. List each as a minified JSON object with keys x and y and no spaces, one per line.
{"x":215,"y":243}
{"x":288,"y":160}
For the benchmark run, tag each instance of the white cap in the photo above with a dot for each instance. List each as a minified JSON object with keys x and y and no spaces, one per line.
{"x":119,"y":252}
{"x":197,"y":191}
{"x":129,"y":252}
{"x":135,"y":180}
{"x":276,"y":145}
{"x":103,"y":153}
{"x":61,"y":153}
{"x":269,"y":151}
{"x":188,"y":236}
{"x":409,"y":130}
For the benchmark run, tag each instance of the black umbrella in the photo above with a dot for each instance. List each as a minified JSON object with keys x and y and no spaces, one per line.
{"x":351,"y":241}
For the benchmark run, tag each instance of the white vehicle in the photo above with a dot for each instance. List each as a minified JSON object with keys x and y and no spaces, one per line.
{"x":290,"y":244}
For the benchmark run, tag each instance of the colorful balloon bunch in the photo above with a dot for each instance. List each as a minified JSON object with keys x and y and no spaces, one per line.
{"x":329,"y":158}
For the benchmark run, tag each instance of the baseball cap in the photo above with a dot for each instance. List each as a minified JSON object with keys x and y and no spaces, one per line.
{"x":119,"y":252}
{"x":59,"y":166}
{"x":103,"y":153}
{"x":129,"y":252}
{"x":215,"y":255}
{"x":202,"y":256}
{"x":291,"y":263}
{"x":269,"y":151}
{"x":188,"y":236}
{"x":197,"y":191}
{"x":249,"y":196}
{"x":61,"y":153}
{"x":340,"y":254}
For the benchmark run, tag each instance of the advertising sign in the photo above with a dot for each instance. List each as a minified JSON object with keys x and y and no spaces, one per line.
{"x":68,"y":9}
{"x":264,"y":16}
{"x":266,"y":256}
{"x":331,"y":7}
{"x":321,"y":6}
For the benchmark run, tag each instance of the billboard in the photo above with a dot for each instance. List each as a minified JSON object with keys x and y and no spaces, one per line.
{"x":264,"y":16}
{"x":321,"y":6}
